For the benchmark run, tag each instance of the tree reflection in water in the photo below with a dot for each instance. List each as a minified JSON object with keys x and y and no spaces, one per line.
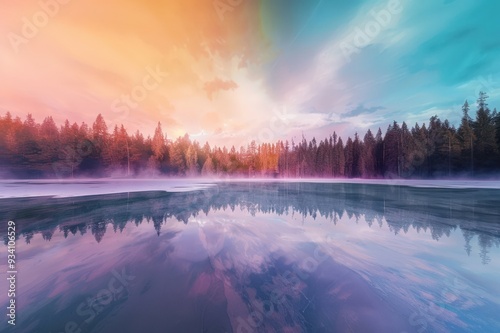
{"x":437,"y":211}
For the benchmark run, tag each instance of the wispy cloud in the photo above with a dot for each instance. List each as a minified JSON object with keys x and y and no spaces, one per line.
{"x":361,"y":109}
{"x":216,"y":85}
{"x":235,"y":71}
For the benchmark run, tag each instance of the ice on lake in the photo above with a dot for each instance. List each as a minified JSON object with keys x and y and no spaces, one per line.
{"x":82,"y":187}
{"x":240,"y":256}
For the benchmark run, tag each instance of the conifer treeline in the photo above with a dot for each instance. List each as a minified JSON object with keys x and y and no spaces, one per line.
{"x":436,"y":149}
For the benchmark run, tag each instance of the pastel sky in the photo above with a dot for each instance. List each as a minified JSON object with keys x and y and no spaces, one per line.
{"x":232,"y":71}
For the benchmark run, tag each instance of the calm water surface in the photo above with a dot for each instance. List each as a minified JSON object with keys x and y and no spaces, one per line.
{"x":251,"y":257}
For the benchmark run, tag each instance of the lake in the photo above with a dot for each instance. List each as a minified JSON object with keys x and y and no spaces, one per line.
{"x":253,"y":257}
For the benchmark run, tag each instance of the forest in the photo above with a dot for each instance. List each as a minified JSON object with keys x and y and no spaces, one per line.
{"x":437,"y":149}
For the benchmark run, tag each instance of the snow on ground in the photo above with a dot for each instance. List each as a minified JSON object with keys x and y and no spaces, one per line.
{"x":84,"y":187}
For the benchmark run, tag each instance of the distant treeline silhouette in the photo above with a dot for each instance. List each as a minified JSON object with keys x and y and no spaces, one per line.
{"x":436,"y":149}
{"x":435,"y":211}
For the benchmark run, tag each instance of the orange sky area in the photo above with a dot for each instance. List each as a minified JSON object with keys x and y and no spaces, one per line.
{"x":189,"y":64}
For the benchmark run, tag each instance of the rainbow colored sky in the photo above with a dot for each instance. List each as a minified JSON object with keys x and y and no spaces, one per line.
{"x":232,"y":71}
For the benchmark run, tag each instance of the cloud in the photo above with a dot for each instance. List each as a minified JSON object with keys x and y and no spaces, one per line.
{"x":360,"y":109}
{"x":283,"y":52}
{"x":214,"y":86}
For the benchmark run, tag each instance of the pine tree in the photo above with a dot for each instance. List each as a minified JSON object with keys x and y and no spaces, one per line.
{"x":467,"y":138}
{"x":485,"y":132}
{"x":28,"y":146}
{"x":438,"y":148}
{"x":12,"y":155}
{"x":408,"y":147}
{"x":191,"y":161}
{"x":358,"y":164}
{"x":369,"y":154}
{"x":49,"y":143}
{"x":70,"y":155}
{"x":139,"y":152}
{"x":208,"y":167}
{"x":159,"y":148}
{"x":100,"y":142}
{"x":392,"y":151}
{"x":341,"y":159}
{"x":349,"y":158}
{"x":203,"y":153}
{"x":178,"y":155}
{"x":496,"y":116}
{"x":379,"y":154}
{"x":322,"y":159}
{"x":121,"y":143}
{"x":497,"y":126}
{"x":6,"y":158}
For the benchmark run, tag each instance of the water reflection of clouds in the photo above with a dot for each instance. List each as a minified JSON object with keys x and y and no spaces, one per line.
{"x":223,"y":256}
{"x":351,"y":250}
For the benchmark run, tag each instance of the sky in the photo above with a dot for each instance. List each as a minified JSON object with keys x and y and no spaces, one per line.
{"x":232,"y":71}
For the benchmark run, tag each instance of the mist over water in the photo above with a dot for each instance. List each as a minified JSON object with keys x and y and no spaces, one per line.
{"x":258,"y":257}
